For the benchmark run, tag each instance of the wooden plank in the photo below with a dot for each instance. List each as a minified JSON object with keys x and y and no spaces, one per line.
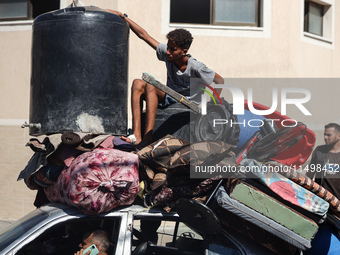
{"x":175,"y":95}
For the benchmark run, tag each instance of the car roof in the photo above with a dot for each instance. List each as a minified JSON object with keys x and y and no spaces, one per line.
{"x":63,"y":209}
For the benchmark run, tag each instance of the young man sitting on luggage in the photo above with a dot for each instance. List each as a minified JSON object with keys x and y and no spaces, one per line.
{"x":181,"y":67}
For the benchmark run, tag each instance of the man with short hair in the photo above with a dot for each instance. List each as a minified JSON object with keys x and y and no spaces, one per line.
{"x":181,"y":67}
{"x":325,"y":161}
{"x":99,"y":238}
{"x":325,"y":164}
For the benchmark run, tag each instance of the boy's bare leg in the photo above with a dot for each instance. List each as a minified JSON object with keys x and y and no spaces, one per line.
{"x":152,"y":96}
{"x":140,"y":89}
{"x":137,"y":94}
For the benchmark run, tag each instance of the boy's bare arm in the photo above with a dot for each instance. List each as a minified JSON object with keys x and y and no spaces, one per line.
{"x":138,"y":30}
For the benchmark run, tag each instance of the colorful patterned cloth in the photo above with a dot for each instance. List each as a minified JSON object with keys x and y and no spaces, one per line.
{"x":307,"y":183}
{"x":97,"y":181}
{"x":285,"y":188}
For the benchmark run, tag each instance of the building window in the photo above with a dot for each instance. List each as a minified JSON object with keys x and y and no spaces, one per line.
{"x":15,"y":10}
{"x":318,"y":18}
{"x":313,"y":17}
{"x":11,"y":10}
{"x":216,"y":12}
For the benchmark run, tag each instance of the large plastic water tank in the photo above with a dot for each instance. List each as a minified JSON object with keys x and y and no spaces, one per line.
{"x":79,"y":72}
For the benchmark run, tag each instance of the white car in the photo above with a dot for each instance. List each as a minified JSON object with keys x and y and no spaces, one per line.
{"x":58,"y":229}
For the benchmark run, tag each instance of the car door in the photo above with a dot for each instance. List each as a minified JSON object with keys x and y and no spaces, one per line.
{"x":62,"y":235}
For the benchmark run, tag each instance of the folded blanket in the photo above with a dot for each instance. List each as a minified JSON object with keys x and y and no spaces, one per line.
{"x":74,"y":138}
{"x":48,"y":147}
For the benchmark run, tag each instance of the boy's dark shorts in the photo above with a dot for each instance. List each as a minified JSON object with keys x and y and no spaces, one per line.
{"x":167,"y":101}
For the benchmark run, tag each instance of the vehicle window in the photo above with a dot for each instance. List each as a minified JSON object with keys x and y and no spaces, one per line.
{"x":161,"y":237}
{"x":15,"y":230}
{"x":166,"y":237}
{"x":64,"y":238}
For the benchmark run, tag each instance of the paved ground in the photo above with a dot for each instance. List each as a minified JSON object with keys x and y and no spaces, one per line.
{"x":16,"y":199}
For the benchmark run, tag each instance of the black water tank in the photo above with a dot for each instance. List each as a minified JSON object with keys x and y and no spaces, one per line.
{"x":79,"y":72}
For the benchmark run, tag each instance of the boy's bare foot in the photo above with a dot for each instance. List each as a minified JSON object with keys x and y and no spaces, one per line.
{"x":139,"y":143}
{"x":131,"y":139}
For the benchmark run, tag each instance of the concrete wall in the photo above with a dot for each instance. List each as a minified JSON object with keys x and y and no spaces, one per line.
{"x":279,"y":50}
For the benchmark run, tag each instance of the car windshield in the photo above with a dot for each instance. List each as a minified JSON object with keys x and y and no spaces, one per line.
{"x":15,"y":230}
